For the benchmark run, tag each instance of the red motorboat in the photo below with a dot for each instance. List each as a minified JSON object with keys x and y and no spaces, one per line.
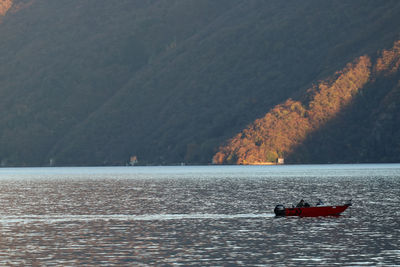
{"x":315,"y":211}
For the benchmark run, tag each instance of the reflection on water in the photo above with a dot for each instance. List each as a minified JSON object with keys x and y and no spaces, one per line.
{"x":123,"y":217}
{"x":198,"y":216}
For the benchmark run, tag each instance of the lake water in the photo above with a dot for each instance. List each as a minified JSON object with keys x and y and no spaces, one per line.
{"x":206,"y":215}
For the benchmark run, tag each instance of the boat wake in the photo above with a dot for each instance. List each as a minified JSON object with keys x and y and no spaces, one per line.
{"x":123,"y":217}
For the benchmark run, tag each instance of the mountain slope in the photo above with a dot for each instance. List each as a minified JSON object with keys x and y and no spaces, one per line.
{"x":64,"y":59}
{"x":94,"y":82}
{"x":366,"y":131}
{"x":287,"y":126}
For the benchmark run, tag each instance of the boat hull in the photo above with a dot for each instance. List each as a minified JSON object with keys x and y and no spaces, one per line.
{"x":314,"y":211}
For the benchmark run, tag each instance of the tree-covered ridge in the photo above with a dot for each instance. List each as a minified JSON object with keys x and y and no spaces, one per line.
{"x":287,"y":125}
{"x":96,"y":82}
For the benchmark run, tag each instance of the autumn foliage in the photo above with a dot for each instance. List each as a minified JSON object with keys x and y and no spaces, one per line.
{"x":389,"y":62}
{"x":284,"y":127}
{"x":5,"y":5}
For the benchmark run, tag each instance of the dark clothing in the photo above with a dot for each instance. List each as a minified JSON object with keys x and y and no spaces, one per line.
{"x":301,"y":204}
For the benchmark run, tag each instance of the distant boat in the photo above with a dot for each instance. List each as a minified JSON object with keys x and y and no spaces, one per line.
{"x":314,"y":211}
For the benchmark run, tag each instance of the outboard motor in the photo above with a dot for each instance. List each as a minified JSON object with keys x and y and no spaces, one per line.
{"x":279,"y":210}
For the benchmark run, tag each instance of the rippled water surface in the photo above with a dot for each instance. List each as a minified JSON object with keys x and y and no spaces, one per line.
{"x":211,"y":215}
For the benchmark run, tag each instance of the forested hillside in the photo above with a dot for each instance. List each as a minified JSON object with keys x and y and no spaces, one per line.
{"x":288,"y":129}
{"x":95,"y":82}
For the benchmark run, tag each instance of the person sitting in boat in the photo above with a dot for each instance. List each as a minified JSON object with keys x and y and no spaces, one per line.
{"x":300,"y":204}
{"x":319,"y":203}
{"x":303,"y":204}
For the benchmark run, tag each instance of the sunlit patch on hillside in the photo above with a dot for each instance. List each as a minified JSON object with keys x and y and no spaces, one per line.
{"x":5,"y":5}
{"x":389,"y":62}
{"x":287,"y":125}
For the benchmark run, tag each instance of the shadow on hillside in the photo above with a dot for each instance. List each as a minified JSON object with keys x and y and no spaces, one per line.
{"x":364,"y":131}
